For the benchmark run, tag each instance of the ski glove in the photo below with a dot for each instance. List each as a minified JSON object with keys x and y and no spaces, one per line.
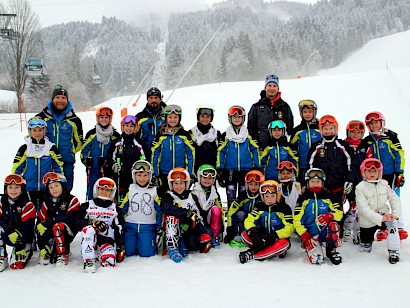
{"x":120,"y":253}
{"x":399,"y":182}
{"x":159,"y":236}
{"x":222,"y":177}
{"x":116,"y":167}
{"x":347,"y":188}
{"x":156,"y":181}
{"x":21,"y":255}
{"x":102,"y":162}
{"x":88,"y":161}
{"x":324,"y":219}
{"x":270,"y":238}
{"x":15,"y":237}
{"x":41,"y":229}
{"x":45,"y":252}
{"x":100,"y":226}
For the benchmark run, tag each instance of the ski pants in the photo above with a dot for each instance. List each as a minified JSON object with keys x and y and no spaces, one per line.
{"x":235,"y":184}
{"x":68,"y":169}
{"x":92,"y":241}
{"x":58,"y":236}
{"x":269,"y":250}
{"x":94,"y":175}
{"x":393,"y":238}
{"x":140,"y":239}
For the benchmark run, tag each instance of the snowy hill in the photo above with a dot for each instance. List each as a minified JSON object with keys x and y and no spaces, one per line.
{"x":218,"y":279}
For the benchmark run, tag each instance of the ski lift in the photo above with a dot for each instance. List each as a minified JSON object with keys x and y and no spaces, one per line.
{"x":34,"y":67}
{"x":5,"y":31}
{"x":96,"y":79}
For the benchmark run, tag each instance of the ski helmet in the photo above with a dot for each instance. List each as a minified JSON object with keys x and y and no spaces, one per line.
{"x":309,"y":104}
{"x":153,"y":91}
{"x":328,"y":120}
{"x":377,"y":116}
{"x":371,"y":163}
{"x":128,"y":119}
{"x":179,"y":174}
{"x":15,"y":179}
{"x":105,"y":183}
{"x":206,"y":171}
{"x":270,"y":186}
{"x":106,"y":111}
{"x":205,"y":110}
{"x":277,"y":124}
{"x":253,"y":176}
{"x":141,"y":165}
{"x":236,"y":110}
{"x":288,"y":165}
{"x":173,"y":109}
{"x":51,"y":177}
{"x":315,"y":173}
{"x":355,"y":124}
{"x":36,"y":122}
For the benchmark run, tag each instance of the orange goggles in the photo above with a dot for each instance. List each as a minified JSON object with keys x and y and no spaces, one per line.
{"x":14,"y":179}
{"x":103,"y":183}
{"x":53,"y":177}
{"x":327,"y":119}
{"x":106,"y":112}
{"x":288,"y":165}
{"x":253,"y":177}
{"x":268,"y":188}
{"x":373,"y":164}
{"x":178,"y":175}
{"x":238,"y":110}
{"x":356,"y":125}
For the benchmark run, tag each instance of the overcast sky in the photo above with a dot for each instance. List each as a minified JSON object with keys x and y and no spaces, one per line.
{"x":58,"y":11}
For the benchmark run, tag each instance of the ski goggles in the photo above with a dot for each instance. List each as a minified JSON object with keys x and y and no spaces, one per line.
{"x":181,"y":175}
{"x":268,"y":188}
{"x":315,"y":173}
{"x":288,"y":165}
{"x":205,"y":111}
{"x":173,"y":109}
{"x":105,"y":111}
{"x":327,"y":119}
{"x":208,"y":173}
{"x":373,"y":164}
{"x":307,"y":103}
{"x":14,"y":179}
{"x":276,"y":124}
{"x":376,"y":116}
{"x":256,"y":176}
{"x":106,"y":183}
{"x":236,"y":110}
{"x":130,"y":118}
{"x":53,"y":177}
{"x":352,"y":125}
{"x":33,"y":123}
{"x":141,"y":166}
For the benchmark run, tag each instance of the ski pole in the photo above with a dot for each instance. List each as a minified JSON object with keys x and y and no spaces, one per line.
{"x":118,"y":182}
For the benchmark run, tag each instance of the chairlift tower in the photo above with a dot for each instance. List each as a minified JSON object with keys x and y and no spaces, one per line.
{"x":5,"y":31}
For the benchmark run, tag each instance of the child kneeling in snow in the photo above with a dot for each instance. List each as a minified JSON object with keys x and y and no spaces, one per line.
{"x":142,"y":213}
{"x":379,"y":208}
{"x":184,"y":226}
{"x":100,"y":227}
{"x":17,"y":215}
{"x":209,"y":201}
{"x":268,"y":227}
{"x":316,"y":219}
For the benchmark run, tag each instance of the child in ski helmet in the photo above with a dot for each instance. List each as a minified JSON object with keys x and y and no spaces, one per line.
{"x":142,"y":212}
{"x":289,"y":187}
{"x":379,"y":210}
{"x":316,"y":219}
{"x":56,"y":220}
{"x":242,"y":206}
{"x":205,"y":137}
{"x":35,"y":158}
{"x":101,"y":227}
{"x":210,"y":204}
{"x":305,"y":134}
{"x":94,"y":154}
{"x":355,"y":130}
{"x":125,"y":152}
{"x":237,"y":154}
{"x":276,"y":151}
{"x":17,"y":216}
{"x":185,"y":229}
{"x":172,"y":146}
{"x":269,"y":227}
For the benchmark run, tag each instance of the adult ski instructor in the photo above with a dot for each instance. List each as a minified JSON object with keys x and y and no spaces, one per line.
{"x":270,"y":107}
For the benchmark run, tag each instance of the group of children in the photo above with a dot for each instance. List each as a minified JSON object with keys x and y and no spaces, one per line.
{"x":171,"y":205}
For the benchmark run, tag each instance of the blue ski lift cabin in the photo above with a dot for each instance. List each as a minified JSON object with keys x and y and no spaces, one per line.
{"x":34,"y":67}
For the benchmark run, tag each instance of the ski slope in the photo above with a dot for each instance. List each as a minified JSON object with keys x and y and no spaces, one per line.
{"x":217,"y":279}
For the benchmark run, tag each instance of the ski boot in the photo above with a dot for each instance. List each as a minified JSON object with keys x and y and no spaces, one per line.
{"x":394,"y":256}
{"x":365,"y":247}
{"x":245,"y":256}
{"x":62,"y":260}
{"x":334,"y":256}
{"x":215,"y":242}
{"x":175,"y":255}
{"x":89,"y":266}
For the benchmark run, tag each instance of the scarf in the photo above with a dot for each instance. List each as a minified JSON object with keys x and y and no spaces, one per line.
{"x":199,"y":137}
{"x":353,"y":143}
{"x":239,"y":137}
{"x":165,"y":129}
{"x":38,"y":150}
{"x":104,"y":134}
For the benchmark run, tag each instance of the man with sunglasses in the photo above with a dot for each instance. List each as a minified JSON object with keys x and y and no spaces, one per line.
{"x":270,"y":107}
{"x":64,"y":129}
{"x":150,"y":120}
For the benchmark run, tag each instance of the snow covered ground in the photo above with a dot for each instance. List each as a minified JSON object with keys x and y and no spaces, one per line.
{"x":217,"y":279}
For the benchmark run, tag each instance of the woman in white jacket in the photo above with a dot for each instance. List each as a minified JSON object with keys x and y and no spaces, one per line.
{"x":379,"y":208}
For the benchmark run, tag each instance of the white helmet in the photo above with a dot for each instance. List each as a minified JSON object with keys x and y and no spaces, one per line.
{"x":107,"y":183}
